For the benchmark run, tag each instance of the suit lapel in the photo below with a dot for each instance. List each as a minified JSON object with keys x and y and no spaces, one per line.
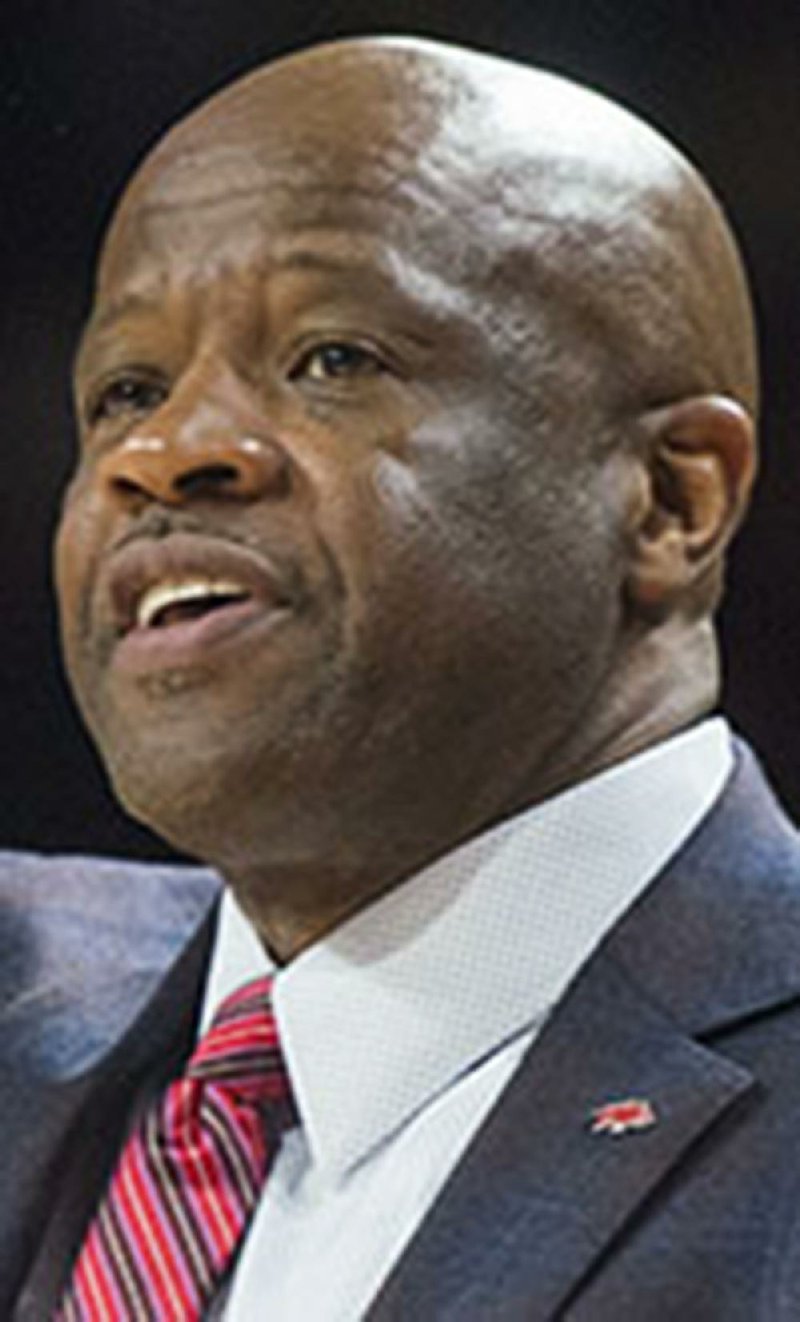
{"x":538,"y":1198}
{"x":71,"y":1107}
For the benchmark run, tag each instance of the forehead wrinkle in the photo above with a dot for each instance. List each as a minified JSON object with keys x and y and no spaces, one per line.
{"x":461,"y":156}
{"x":158,"y":206}
{"x":407,"y":213}
{"x":309,"y":195}
{"x":190,"y":217}
{"x":223,"y":161}
{"x":451,"y":171}
{"x":422,"y":123}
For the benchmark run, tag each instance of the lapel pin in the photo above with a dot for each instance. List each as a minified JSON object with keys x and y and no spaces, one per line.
{"x":623,"y":1117}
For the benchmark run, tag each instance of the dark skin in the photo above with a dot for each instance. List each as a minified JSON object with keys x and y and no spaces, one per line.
{"x":443,"y":371}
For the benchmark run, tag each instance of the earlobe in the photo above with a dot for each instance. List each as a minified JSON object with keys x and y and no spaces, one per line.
{"x":698,"y":462}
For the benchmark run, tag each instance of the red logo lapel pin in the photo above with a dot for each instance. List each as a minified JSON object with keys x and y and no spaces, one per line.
{"x":623,"y":1117}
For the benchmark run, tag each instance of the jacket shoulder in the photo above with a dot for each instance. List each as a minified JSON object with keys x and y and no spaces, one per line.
{"x":68,"y":917}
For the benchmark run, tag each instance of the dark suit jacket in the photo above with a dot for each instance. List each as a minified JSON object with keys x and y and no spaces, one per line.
{"x":693,"y":1003}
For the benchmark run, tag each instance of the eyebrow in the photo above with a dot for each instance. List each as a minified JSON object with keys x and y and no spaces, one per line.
{"x":300,"y":256}
{"x":346,"y":257}
{"x":414,"y":285}
{"x":117,"y":309}
{"x":305,"y":259}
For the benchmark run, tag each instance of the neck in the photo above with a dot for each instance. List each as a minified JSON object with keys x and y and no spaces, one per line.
{"x":670,"y":681}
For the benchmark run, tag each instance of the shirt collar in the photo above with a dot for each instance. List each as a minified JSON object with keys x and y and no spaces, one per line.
{"x":391,"y":1008}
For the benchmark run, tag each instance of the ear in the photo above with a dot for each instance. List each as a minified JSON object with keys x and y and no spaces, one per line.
{"x":699,"y":463}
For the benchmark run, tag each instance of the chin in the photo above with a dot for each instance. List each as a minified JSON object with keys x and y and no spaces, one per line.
{"x":182,"y":815}
{"x":223,"y":805}
{"x":177,"y":790}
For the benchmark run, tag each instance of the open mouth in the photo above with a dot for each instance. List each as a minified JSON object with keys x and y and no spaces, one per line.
{"x":165,"y":604}
{"x":175,"y":602}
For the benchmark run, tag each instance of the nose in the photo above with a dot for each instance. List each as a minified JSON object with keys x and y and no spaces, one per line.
{"x":174,"y":462}
{"x":234,"y":468}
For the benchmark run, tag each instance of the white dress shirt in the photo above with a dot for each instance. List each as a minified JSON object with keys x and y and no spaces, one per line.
{"x":402,"y":1027}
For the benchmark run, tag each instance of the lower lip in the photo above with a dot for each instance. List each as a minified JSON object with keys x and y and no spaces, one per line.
{"x":194,"y":642}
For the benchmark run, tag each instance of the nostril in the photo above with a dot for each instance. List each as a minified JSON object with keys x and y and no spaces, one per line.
{"x":206,"y":469}
{"x":207,"y":478}
{"x":127,"y":486}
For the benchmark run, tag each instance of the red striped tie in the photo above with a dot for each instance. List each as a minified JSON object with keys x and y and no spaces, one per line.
{"x":188,"y":1179}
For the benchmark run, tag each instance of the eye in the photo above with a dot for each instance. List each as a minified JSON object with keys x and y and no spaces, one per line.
{"x":336,"y":360}
{"x":130,"y":392}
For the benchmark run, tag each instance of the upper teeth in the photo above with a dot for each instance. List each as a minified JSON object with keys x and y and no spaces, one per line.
{"x":161,"y":595}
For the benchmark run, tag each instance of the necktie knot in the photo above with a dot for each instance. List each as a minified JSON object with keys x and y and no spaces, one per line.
{"x":240,"y":1051}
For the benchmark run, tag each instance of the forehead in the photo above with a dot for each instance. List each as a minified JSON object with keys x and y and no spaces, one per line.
{"x":388,"y":132}
{"x":279,"y":151}
{"x":460,"y":164}
{"x":318,"y":196}
{"x":497,"y":199}
{"x":226,"y":226}
{"x":230,"y":205}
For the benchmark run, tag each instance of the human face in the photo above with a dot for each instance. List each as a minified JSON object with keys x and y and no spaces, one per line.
{"x":331,"y":574}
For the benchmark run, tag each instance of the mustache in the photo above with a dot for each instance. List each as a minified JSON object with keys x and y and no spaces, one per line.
{"x":154,"y":525}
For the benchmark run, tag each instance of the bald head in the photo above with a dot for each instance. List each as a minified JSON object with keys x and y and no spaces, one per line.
{"x":521,"y":182}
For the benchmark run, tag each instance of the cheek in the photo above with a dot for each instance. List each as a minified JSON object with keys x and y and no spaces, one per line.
{"x":74,"y":554}
{"x":417,"y":567}
{"x":508,"y":554}
{"x":66,"y":564}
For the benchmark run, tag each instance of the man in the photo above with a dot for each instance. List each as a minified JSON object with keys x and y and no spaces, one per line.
{"x":416,"y":416}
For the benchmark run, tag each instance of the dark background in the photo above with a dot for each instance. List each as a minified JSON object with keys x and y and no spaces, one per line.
{"x":88,"y":86}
